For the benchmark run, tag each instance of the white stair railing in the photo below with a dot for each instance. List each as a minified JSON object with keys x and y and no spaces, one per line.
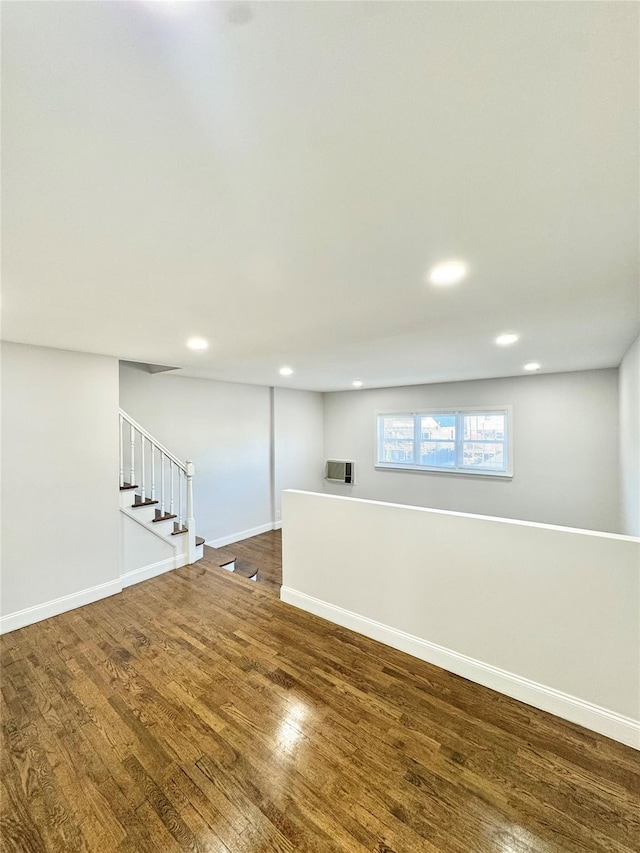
{"x":143,"y":468}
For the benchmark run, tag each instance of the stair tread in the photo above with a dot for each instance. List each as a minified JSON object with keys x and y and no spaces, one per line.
{"x":199,"y":539}
{"x":245,"y":569}
{"x":165,"y":517}
{"x":143,"y":503}
{"x":126,"y":486}
{"x":220,"y":555}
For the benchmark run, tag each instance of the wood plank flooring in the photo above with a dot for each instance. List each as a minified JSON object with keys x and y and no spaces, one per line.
{"x":197,"y":712}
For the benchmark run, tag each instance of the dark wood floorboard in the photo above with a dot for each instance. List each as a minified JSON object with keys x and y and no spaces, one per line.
{"x":197,"y":712}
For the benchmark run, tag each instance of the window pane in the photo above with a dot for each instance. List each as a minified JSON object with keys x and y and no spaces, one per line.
{"x":441,"y":427}
{"x":487,"y":455}
{"x":396,"y":443}
{"x":490,"y":427}
{"x":438,"y":454}
{"x":437,"y":440}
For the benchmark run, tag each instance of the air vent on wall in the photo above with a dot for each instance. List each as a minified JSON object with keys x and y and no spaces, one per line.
{"x":340,"y":471}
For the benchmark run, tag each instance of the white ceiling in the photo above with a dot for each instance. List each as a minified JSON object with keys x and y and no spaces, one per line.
{"x":277,"y":178}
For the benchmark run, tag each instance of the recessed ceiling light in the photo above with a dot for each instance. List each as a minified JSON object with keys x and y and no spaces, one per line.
{"x":197,"y":343}
{"x":448,"y":272}
{"x":532,"y":365}
{"x":286,"y":371}
{"x":357,"y":383}
{"x":507,"y":339}
{"x":239,"y":12}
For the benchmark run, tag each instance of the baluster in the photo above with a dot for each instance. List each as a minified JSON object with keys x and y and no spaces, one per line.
{"x":132,"y":438}
{"x":171,"y":487}
{"x":179,"y":499}
{"x":143,"y":477}
{"x":121,"y":453}
{"x":191,"y":524}
{"x":161,"y":483}
{"x":153,"y":471}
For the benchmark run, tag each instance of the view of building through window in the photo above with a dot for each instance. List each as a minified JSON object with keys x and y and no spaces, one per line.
{"x":484,"y":439}
{"x":456,"y":440}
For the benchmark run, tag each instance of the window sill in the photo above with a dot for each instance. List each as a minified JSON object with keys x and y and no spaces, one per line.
{"x":457,"y":472}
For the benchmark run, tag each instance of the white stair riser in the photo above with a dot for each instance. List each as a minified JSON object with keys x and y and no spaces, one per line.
{"x":164,"y":527}
{"x":144,"y":513}
{"x":128,"y":497}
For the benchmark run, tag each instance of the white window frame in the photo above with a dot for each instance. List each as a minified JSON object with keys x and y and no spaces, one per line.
{"x":459,"y":412}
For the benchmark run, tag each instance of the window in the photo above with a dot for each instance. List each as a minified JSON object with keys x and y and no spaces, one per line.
{"x":463,"y":441}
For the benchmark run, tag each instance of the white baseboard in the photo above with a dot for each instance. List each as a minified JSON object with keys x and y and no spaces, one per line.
{"x":277,"y":525}
{"x":237,"y":537}
{"x":152,"y":570}
{"x":30,"y":615}
{"x":593,"y":717}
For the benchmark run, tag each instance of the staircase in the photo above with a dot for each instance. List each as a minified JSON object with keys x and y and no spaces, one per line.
{"x":223,"y":558}
{"x":156,"y":506}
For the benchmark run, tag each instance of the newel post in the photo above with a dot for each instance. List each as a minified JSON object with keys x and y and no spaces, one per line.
{"x":190,"y":521}
{"x":121,"y":452}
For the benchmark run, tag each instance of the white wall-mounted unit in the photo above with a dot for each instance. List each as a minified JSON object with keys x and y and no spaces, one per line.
{"x":340,"y":471}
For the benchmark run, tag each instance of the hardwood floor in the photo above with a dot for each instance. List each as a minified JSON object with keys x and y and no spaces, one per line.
{"x":196,"y":712}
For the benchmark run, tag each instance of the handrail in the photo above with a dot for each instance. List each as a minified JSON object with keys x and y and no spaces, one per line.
{"x":147,"y":435}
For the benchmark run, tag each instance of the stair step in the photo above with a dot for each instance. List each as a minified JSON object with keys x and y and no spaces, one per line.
{"x":177,"y":531}
{"x":224,"y":558}
{"x":126,"y":486}
{"x":219,"y":557}
{"x":164,"y":517}
{"x":140,"y":503}
{"x":245,"y":569}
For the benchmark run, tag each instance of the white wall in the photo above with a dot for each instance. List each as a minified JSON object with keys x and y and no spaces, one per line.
{"x":565,"y":448}
{"x":298,"y":442}
{"x":629,"y":392}
{"x":60,"y":518}
{"x":224,"y":429}
{"x":547,"y":615}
